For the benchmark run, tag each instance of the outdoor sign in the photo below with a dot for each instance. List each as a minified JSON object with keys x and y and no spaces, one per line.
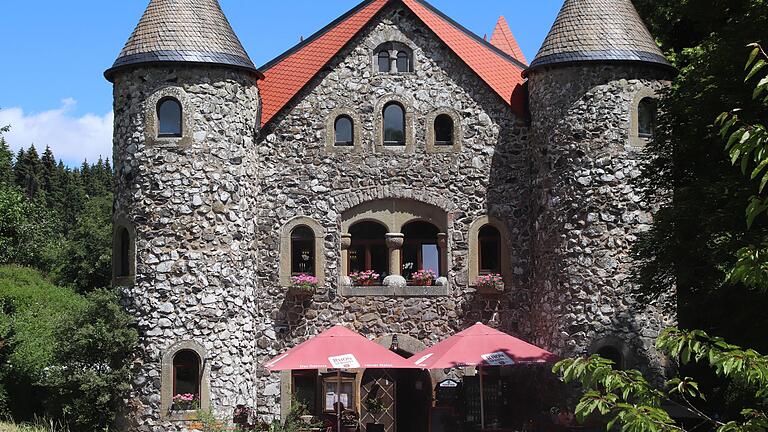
{"x":449,"y":383}
{"x":497,"y":359}
{"x":344,"y":361}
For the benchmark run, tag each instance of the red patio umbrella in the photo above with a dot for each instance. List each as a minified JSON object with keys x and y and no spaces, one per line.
{"x":338,"y":348}
{"x":480,"y":346}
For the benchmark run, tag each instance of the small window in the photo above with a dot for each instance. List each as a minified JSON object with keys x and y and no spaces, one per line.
{"x":646,"y":118}
{"x":384,"y":63}
{"x":403,"y":62}
{"x":489,"y":239}
{"x":169,"y":118}
{"x":394,"y":124}
{"x":368,"y":250}
{"x":302,"y":251}
{"x":344,"y":129}
{"x":186,"y":373}
{"x":444,"y":130}
{"x":123,"y":250}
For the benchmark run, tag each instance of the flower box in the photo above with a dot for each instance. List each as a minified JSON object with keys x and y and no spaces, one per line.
{"x":490,"y":283}
{"x":303,"y":286}
{"x":365,"y":278}
{"x":423,"y":278}
{"x":185,"y":402}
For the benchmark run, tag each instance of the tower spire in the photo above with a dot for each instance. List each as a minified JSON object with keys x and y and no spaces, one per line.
{"x":504,"y":40}
{"x":598,"y":30}
{"x":181,"y":31}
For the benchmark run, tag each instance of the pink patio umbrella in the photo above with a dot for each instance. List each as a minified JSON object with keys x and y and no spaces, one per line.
{"x":338,"y":348}
{"x":480,"y":346}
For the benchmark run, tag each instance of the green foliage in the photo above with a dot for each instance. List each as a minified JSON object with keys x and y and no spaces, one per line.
{"x":91,"y":369}
{"x":26,"y":228}
{"x":86,"y":262}
{"x":627,"y":400}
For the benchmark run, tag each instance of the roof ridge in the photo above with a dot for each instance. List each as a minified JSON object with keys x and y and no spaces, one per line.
{"x":470,"y":33}
{"x":325,"y":29}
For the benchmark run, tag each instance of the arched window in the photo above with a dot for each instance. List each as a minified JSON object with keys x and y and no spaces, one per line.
{"x":444,"y":130}
{"x":368,"y":248}
{"x":383,"y":59}
{"x":394,"y":124}
{"x":344,"y":129}
{"x":646,"y":118}
{"x":420,"y":248}
{"x":613,"y":354}
{"x":302,"y":251}
{"x":403,"y":62}
{"x":123,"y":250}
{"x":489,"y":239}
{"x":186,"y":373}
{"x":169,"y":118}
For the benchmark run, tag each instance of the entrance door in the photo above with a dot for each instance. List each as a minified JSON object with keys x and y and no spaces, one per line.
{"x":377,"y":401}
{"x":413,"y":398}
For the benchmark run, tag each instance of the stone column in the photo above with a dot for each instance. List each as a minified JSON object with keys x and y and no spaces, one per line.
{"x":395,"y":244}
{"x":346,"y":242}
{"x":393,"y":61}
{"x":442,"y":246}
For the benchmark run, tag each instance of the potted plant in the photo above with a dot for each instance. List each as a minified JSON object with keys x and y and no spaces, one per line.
{"x":492,"y":282}
{"x":424,"y":278}
{"x":185,"y":402}
{"x":374,"y":405}
{"x":365,"y":278}
{"x":303,"y":285}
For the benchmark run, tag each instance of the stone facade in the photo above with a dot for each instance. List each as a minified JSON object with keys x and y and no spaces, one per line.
{"x":192,"y":206}
{"x":299,"y":177}
{"x":587,"y":214}
{"x":211,"y":212}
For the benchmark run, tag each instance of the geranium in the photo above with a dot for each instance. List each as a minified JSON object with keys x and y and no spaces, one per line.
{"x":424,"y":277}
{"x":491,"y":281}
{"x":304,"y":282}
{"x":367,"y":277}
{"x":185,"y":402}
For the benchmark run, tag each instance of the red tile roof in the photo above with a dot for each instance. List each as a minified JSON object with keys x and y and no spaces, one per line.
{"x":288,"y":74}
{"x":504,"y":40}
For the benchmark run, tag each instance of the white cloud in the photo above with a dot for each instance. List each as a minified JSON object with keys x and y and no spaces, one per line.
{"x":71,"y":138}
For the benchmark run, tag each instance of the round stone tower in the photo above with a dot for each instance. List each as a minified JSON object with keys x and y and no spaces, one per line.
{"x":592,"y":87}
{"x":187,"y":109}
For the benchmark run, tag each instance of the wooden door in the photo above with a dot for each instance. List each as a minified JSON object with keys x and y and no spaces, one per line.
{"x":377,"y":401}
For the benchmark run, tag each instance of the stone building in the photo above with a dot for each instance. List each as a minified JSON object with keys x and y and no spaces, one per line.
{"x":395,"y":142}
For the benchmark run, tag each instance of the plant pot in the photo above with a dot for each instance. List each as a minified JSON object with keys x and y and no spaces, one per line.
{"x":369,"y":282}
{"x":485,"y":289}
{"x":301,"y":292}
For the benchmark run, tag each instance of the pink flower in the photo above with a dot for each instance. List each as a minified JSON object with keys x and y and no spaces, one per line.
{"x":304,"y":281}
{"x":491,"y":281}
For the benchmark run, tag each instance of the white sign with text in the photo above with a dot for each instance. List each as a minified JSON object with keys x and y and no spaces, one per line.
{"x":497,"y":359}
{"x":344,"y":361}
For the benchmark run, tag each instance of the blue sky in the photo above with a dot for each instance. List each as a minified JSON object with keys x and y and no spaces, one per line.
{"x":54,"y":53}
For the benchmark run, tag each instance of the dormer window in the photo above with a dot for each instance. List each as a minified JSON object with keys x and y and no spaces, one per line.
{"x":383,"y":61}
{"x":403,"y":62}
{"x":169,"y":118}
{"x":393,"y":57}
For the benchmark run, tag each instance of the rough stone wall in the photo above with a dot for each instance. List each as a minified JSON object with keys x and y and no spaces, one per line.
{"x":299,"y":177}
{"x":192,"y":206}
{"x":587,"y":213}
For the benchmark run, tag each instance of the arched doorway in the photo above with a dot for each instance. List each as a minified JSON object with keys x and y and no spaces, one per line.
{"x":396,"y":400}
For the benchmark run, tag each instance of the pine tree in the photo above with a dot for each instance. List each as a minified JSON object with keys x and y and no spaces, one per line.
{"x":28,"y":171}
{"x":6,"y":161}
{"x":51,"y":184}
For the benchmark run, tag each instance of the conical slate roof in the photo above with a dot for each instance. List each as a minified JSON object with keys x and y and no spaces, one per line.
{"x":193,"y":31}
{"x":598,"y":30}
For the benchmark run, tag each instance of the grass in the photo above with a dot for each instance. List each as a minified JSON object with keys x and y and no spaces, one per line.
{"x":39,"y":426}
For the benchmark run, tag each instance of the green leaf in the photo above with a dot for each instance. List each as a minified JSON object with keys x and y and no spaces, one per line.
{"x":759,"y":65}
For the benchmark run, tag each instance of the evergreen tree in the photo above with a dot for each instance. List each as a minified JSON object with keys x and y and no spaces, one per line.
{"x":6,"y":161}
{"x":51,"y":184}
{"x":28,"y":171}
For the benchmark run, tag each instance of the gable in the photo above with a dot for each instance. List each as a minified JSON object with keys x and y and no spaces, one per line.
{"x":289,"y":73}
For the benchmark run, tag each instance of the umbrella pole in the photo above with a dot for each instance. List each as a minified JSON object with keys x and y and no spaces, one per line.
{"x":338,"y":400}
{"x":482,"y":401}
